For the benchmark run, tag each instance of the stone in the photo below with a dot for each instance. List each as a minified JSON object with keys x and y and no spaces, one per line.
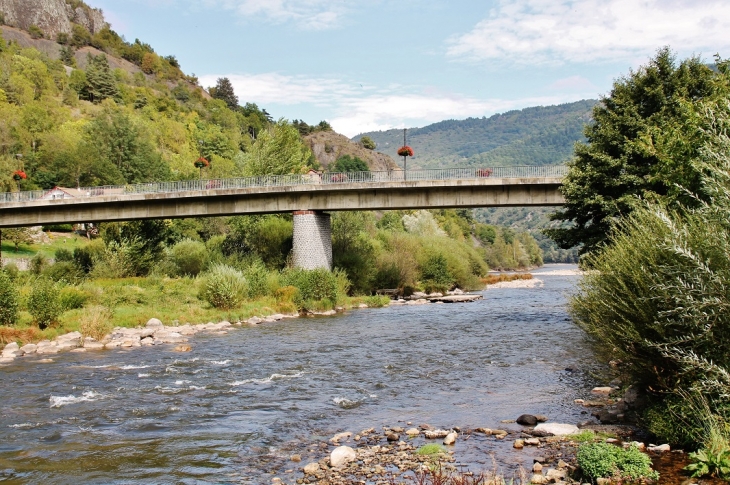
{"x":146,"y":332}
{"x":183,"y":348}
{"x":147,"y":341}
{"x":296,"y":458}
{"x":342,"y":455}
{"x":311,"y":468}
{"x":562,"y":464}
{"x":557,"y":429}
{"x":78,"y":350}
{"x":450,"y":438}
{"x":72,"y":339}
{"x":5,"y":360}
{"x":659,"y":449}
{"x":28,"y":349}
{"x":603,"y":391}
{"x":537,"y":467}
{"x":518,"y":444}
{"x":11,"y":347}
{"x":499,"y":432}
{"x":154,"y":323}
{"x":92,"y":344}
{"x":340,"y":436}
{"x":532,"y":441}
{"x":527,"y":420}
{"x":554,"y":475}
{"x":413,"y":432}
{"x":435,"y":433}
{"x":486,"y":431}
{"x":539,"y":479}
{"x":392,"y":436}
{"x":541,"y":418}
{"x":254,"y":321}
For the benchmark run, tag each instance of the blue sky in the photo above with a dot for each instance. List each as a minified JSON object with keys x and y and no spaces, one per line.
{"x":380,"y":64}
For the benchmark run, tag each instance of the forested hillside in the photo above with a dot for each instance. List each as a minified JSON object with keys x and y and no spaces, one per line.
{"x":533,"y":136}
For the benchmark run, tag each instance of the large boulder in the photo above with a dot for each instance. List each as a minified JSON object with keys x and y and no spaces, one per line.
{"x":556,"y":429}
{"x":341,"y":456}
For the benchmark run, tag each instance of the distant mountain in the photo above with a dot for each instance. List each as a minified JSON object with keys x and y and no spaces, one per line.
{"x":540,"y":135}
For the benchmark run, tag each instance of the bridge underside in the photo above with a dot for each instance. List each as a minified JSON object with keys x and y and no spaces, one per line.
{"x":269,"y":200}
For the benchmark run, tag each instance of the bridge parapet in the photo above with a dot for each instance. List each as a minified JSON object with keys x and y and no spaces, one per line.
{"x":306,"y":181}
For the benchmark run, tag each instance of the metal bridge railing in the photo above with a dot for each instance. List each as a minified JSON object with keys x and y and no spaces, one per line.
{"x":292,"y":181}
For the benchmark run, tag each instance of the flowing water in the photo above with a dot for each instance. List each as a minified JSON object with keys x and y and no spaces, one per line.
{"x":235,"y":408}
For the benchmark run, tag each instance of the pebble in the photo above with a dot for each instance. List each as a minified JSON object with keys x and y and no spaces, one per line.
{"x":341,"y":456}
{"x":519,"y":444}
{"x":412,"y":432}
{"x":296,"y":458}
{"x":311,"y":468}
{"x":450,"y":438}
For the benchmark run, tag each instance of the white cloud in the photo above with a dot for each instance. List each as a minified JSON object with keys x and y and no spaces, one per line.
{"x":356,"y":109}
{"x":307,"y":14}
{"x":560,"y":31}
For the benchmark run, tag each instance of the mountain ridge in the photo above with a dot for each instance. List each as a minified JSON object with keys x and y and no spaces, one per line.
{"x":539,"y":135}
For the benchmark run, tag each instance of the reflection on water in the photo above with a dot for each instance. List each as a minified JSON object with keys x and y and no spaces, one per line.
{"x":238,"y":405}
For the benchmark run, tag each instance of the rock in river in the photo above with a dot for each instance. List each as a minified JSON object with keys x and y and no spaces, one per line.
{"x":342,"y":455}
{"x":527,"y":420}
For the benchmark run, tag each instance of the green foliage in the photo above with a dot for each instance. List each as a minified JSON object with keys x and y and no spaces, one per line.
{"x":18,"y":236}
{"x":353,"y":249}
{"x":35,"y":32}
{"x":223,"y":287}
{"x":38,"y":264}
{"x":377,"y":301}
{"x":43,"y":303}
{"x":72,"y":298}
{"x":604,"y":460}
{"x":188,"y":257}
{"x":435,"y":274}
{"x":629,"y":153}
{"x":367,"y":142}
{"x":260,"y":280}
{"x":313,"y":285}
{"x":100,"y":82}
{"x":267,"y":237}
{"x":64,"y":271}
{"x":80,"y":36}
{"x":64,"y":254}
{"x":8,"y":300}
{"x":431,"y":450}
{"x":224,"y":91}
{"x":346,"y":163}
{"x":277,"y":151}
{"x":658,"y":295}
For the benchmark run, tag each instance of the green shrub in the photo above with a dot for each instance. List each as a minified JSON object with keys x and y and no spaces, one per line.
{"x":65,"y":271}
{"x":63,"y":254}
{"x":83,"y":258}
{"x":189,"y":257}
{"x":43,"y":302}
{"x":12,"y":271}
{"x":95,"y":322}
{"x":71,"y":298}
{"x":314,"y":284}
{"x":35,"y":32}
{"x":58,"y":228}
{"x":258,"y":278}
{"x":224,"y":287}
{"x":604,"y":460}
{"x":377,"y":301}
{"x":431,"y":450}
{"x":8,"y":300}
{"x":38,"y":263}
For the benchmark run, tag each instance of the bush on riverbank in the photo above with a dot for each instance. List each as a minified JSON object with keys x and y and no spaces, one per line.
{"x":604,"y":460}
{"x":658,"y":300}
{"x":8,"y":300}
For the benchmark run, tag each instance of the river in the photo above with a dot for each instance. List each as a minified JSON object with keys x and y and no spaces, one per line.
{"x":239,"y":405}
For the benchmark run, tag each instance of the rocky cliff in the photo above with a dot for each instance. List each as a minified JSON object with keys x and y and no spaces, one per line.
{"x":51,"y":16}
{"x":328,"y":146}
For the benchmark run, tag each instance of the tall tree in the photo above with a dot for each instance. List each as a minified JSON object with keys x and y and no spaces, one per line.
{"x":224,"y":91}
{"x":623,"y":158}
{"x":100,"y":82}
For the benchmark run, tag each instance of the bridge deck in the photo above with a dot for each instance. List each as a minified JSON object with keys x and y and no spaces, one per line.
{"x":427,"y":189}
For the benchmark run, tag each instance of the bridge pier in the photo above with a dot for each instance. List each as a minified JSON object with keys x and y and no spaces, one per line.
{"x":312,"y":240}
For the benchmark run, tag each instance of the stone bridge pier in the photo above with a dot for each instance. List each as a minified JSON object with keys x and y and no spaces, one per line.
{"x":312,"y":240}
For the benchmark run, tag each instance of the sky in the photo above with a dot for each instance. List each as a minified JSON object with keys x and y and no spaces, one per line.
{"x":380,"y":64}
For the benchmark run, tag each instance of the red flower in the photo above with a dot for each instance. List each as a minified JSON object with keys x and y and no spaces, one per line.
{"x":484,"y":172}
{"x":405,"y":151}
{"x":19,"y":175}
{"x":201,"y":163}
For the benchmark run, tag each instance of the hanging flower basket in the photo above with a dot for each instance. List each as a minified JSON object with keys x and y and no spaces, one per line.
{"x":19,"y":175}
{"x":405,"y":151}
{"x":201,"y":163}
{"x":484,"y":172}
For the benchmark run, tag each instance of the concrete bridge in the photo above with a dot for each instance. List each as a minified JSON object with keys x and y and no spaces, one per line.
{"x":306,"y":196}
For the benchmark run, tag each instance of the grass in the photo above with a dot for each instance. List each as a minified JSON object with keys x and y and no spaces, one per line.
{"x":58,"y":240}
{"x":588,"y":435}
{"x":431,"y":449}
{"x":133,"y":301}
{"x":501,"y":278}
